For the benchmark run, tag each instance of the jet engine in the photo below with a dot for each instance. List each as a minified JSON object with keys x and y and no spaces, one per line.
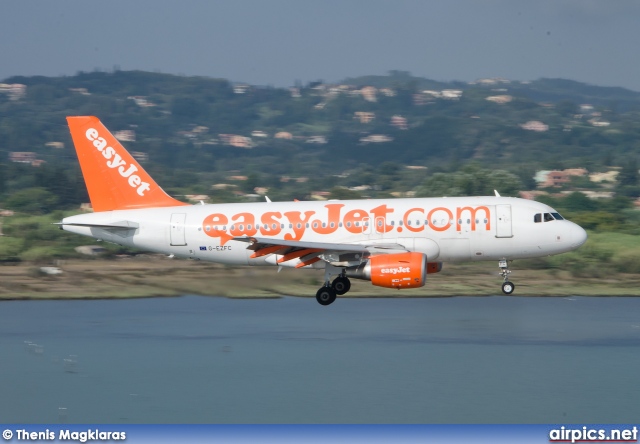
{"x":399,"y":270}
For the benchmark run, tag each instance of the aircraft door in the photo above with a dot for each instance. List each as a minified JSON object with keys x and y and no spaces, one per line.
{"x":503,"y":221}
{"x":373,"y":228}
{"x":177,"y":232}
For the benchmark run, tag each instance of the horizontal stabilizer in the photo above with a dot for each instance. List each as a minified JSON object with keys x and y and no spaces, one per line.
{"x":124,"y":225}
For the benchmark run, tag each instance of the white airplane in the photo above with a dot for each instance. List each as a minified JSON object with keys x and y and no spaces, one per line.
{"x":393,"y":243}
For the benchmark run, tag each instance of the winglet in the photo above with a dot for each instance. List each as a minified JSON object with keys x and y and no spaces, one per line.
{"x":114,"y":179}
{"x":497,"y":194}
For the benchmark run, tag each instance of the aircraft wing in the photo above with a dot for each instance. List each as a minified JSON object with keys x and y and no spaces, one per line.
{"x":311,"y":252}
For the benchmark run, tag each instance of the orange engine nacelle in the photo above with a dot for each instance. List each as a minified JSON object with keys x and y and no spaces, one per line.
{"x":401,"y":270}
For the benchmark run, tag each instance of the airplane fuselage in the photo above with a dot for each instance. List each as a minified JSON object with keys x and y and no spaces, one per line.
{"x":444,"y":229}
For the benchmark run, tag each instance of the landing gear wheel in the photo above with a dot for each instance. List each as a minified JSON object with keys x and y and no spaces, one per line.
{"x":341,"y":285}
{"x":326,"y":296}
{"x":508,"y":287}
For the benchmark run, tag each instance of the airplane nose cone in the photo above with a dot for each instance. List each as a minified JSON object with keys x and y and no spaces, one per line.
{"x":579,"y":236}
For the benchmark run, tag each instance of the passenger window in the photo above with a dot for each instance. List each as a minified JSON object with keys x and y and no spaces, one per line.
{"x":537,"y":218}
{"x":548,"y":217}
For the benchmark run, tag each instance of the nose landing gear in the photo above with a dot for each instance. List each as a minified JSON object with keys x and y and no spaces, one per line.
{"x":507,"y":287}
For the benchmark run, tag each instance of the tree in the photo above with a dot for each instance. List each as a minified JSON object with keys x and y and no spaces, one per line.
{"x":470,"y":181}
{"x":341,"y":193}
{"x":629,"y":173}
{"x":10,"y":248}
{"x":3,"y":178}
{"x":628,"y":179}
{"x":33,"y":201}
{"x":253,"y":181}
{"x":567,"y":108}
{"x":188,"y":108}
{"x":56,"y":181}
{"x":579,"y":202}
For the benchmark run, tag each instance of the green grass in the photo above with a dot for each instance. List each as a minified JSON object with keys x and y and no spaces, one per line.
{"x":603,"y":255}
{"x":617,"y":242}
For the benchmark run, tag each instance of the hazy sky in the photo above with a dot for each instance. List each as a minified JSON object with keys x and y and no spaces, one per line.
{"x":276,"y":42}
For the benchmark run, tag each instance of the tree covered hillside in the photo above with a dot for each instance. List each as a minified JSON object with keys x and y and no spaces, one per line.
{"x":209,"y":136}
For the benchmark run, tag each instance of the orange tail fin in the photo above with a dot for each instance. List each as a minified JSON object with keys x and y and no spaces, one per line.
{"x":114,"y":179}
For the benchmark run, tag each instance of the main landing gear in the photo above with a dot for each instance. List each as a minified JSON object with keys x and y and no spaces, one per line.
{"x":326,"y":295}
{"x":507,"y":287}
{"x":341,"y":284}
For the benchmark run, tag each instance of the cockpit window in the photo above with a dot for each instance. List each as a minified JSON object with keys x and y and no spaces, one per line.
{"x":547,"y":217}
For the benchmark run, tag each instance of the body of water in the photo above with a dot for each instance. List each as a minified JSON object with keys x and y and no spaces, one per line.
{"x":216,"y":360}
